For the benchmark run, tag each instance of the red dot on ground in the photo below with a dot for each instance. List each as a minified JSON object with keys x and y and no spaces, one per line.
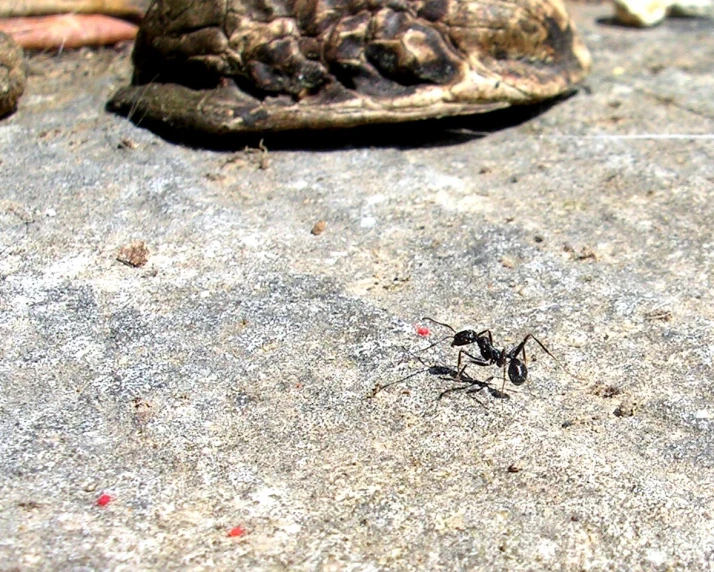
{"x":104,"y":500}
{"x":423,"y":330}
{"x":237,"y":531}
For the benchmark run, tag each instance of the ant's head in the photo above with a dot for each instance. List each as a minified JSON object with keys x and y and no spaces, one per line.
{"x":517,"y":372}
{"x":464,"y":338}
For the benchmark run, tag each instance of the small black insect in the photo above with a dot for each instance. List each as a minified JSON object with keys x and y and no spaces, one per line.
{"x":466,"y":338}
{"x":490,"y":355}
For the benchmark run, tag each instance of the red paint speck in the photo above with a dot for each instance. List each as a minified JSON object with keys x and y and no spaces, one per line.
{"x":104,"y":500}
{"x":236,"y":532}
{"x":423,"y":331}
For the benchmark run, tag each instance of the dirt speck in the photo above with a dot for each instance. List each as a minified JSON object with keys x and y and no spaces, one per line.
{"x":604,"y":390}
{"x":135,"y":254}
{"x":318,"y":228}
{"x":626,"y":408}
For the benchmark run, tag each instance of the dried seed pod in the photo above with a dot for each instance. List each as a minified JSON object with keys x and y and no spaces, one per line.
{"x":12,"y":74}
{"x":223,"y":66}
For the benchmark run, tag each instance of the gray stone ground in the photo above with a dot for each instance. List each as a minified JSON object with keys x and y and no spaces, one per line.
{"x":226,"y":382}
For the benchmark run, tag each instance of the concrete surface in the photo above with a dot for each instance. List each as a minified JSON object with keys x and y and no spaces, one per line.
{"x":226,"y":383}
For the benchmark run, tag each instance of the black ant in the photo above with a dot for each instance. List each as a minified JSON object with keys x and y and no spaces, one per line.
{"x":490,"y":355}
{"x":466,"y":338}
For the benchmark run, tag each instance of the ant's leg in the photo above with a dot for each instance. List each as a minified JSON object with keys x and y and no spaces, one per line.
{"x":474,"y":360}
{"x":436,"y":343}
{"x":521,"y":347}
{"x":523,"y":351}
{"x":477,"y":360}
{"x":459,"y":370}
{"x":488,"y":333}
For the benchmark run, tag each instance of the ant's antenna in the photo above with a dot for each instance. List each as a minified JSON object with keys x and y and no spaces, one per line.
{"x":439,"y":323}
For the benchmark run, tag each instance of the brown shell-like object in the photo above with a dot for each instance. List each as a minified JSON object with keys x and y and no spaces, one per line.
{"x":226,"y":66}
{"x":12,"y":74}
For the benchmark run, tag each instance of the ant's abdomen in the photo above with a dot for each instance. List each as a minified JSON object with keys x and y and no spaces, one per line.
{"x":517,"y":372}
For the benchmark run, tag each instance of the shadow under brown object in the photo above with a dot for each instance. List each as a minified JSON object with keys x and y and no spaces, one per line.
{"x":12,"y":75}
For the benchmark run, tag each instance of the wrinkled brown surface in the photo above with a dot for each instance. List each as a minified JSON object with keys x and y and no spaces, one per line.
{"x":231,"y":66}
{"x":12,"y":74}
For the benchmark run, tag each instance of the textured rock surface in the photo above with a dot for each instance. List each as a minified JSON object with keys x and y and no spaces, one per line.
{"x":234,"y":66}
{"x":224,"y":383}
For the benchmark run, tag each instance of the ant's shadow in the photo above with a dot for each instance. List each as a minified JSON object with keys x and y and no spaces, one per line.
{"x":467,"y":384}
